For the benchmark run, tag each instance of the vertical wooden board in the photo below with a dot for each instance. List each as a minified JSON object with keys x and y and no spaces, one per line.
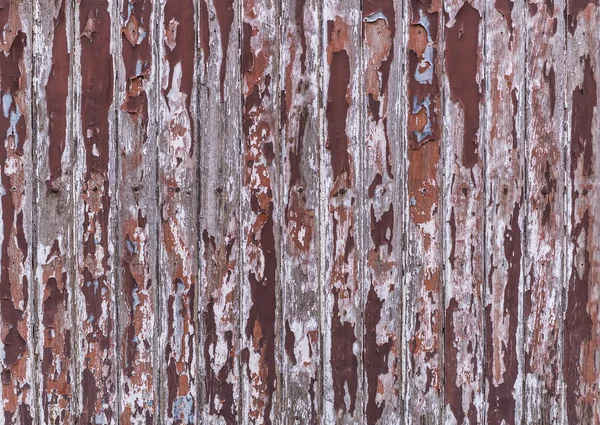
{"x":138,"y":212}
{"x":463,"y":212}
{"x":178,"y":191}
{"x":381,"y":171}
{"x":505,"y":210}
{"x":300,"y":62}
{"x":581,"y":327}
{"x":260,"y":212}
{"x":545,"y":221}
{"x":423,"y":297}
{"x":341,"y":242}
{"x":16,"y":191}
{"x":95,"y":193}
{"x":54,"y":262}
{"x":219,"y":159}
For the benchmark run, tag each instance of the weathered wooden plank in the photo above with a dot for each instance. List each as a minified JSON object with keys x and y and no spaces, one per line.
{"x":581,"y":326}
{"x":220,"y":177}
{"x":178,"y":191}
{"x":381,"y":167}
{"x":54,"y":245}
{"x":341,"y":241}
{"x":423,"y":209}
{"x":463,"y":212}
{"x":95,"y":171}
{"x":136,"y":99}
{"x":260,"y":212}
{"x":545,"y":221}
{"x":300,"y":64}
{"x":505,"y":211}
{"x":16,"y":190}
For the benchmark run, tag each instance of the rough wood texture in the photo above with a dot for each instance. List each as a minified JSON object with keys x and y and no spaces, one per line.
{"x":423,"y":314}
{"x":95,"y":176}
{"x":16,"y":189}
{"x":504,"y":220}
{"x":463,"y":152}
{"x":54,"y":262}
{"x":341,"y":241}
{"x":220,"y":239}
{"x":582,"y":314}
{"x":300,"y":62}
{"x":545,"y":218}
{"x":136,"y":100}
{"x":260,"y":212}
{"x":299,"y":212}
{"x":380,"y":210}
{"x":177,"y":197}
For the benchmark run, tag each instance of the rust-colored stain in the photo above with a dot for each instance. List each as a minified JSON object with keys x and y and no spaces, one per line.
{"x":299,"y":211}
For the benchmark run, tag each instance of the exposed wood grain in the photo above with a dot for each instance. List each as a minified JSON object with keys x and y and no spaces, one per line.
{"x":382,"y":211}
{"x":260,"y":212}
{"x":16,"y":187}
{"x":299,"y":211}
{"x":95,"y":171}
{"x":136,"y":99}
{"x":545,"y":221}
{"x":505,"y":192}
{"x":219,"y":159}
{"x":581,"y":326}
{"x":178,"y":191}
{"x":341,"y":241}
{"x":464,"y":212}
{"x":54,"y":245}
{"x":423,"y":205}
{"x":299,"y":69}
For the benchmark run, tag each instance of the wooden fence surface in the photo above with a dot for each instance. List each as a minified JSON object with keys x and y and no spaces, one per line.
{"x":300,"y":212}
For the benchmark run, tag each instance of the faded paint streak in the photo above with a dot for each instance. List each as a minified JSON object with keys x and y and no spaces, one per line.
{"x":179,"y":42}
{"x":219,"y":323}
{"x":15,"y":274}
{"x":56,"y":359}
{"x":177,"y":171}
{"x":258,"y":127}
{"x":95,"y":282}
{"x":423,"y":87}
{"x":299,"y":105}
{"x":461,"y":69}
{"x":381,"y":332}
{"x":224,"y":10}
{"x":219,"y":163}
{"x":464,"y":215}
{"x":502,"y":351}
{"x":582,"y":340}
{"x":504,"y":221}
{"x":57,"y":90}
{"x":544,"y":217}
{"x":342,"y":281}
{"x":423,"y":299}
{"x":136,"y":260}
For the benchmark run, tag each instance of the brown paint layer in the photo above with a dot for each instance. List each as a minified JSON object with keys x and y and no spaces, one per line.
{"x":180,"y":42}
{"x":225,"y":14}
{"x":57,"y":90}
{"x":423,"y":86}
{"x":14,"y":282}
{"x":344,"y":363}
{"x":501,"y":401}
{"x":574,"y":8}
{"x":259,"y":129}
{"x":581,"y":345}
{"x":461,"y":58}
{"x":217,"y":385}
{"x":96,"y":63}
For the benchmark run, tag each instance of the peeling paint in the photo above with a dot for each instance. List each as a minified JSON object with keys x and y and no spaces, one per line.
{"x":259,"y":192}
